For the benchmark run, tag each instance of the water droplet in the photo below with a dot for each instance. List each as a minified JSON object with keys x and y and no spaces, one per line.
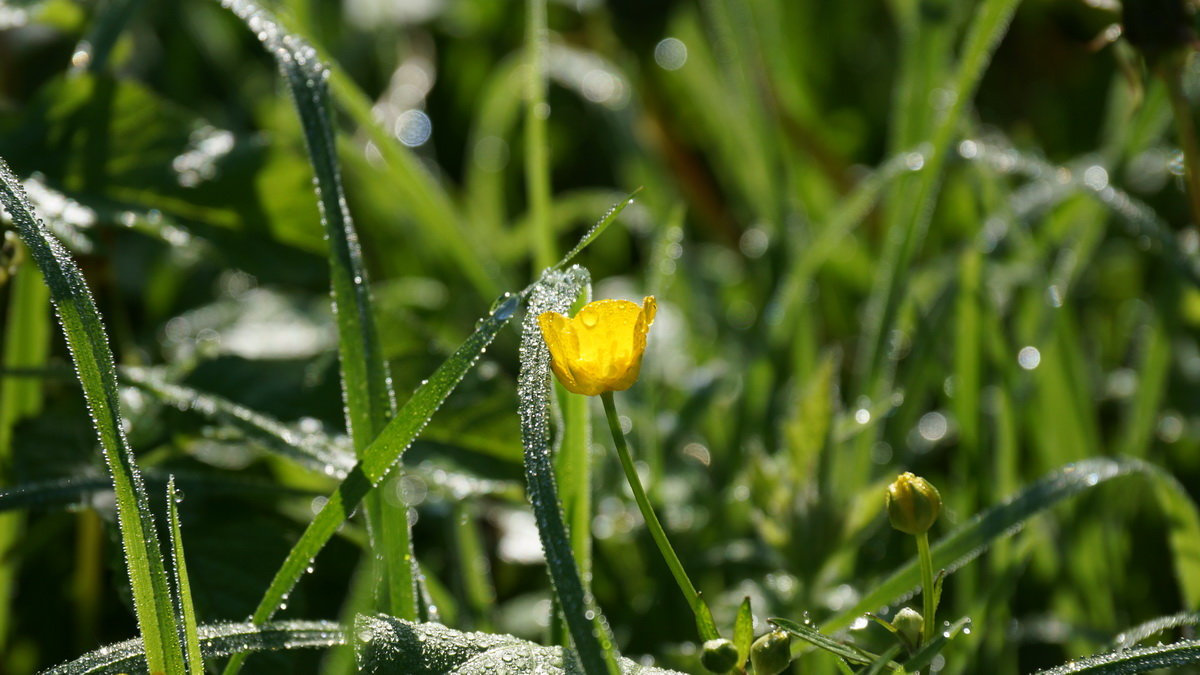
{"x":1029,"y":357}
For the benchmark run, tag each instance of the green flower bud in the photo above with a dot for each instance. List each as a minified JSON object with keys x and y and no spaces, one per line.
{"x":913,"y":504}
{"x":908,"y":623}
{"x":720,"y":656}
{"x":771,"y":653}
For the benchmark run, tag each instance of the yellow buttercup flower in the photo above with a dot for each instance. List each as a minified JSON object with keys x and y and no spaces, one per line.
{"x":601,"y":348}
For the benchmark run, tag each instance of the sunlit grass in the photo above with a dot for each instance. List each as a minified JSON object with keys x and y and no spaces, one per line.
{"x":952,"y":239}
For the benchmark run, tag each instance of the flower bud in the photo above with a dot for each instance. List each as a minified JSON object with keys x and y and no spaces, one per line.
{"x":908,"y":623}
{"x":771,"y":653}
{"x":720,"y":656}
{"x":913,"y":504}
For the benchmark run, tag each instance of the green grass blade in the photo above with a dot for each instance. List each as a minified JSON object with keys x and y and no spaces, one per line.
{"x":26,"y":345}
{"x":216,"y":640}
{"x":988,"y":26}
{"x":743,"y":631}
{"x":586,"y":624}
{"x":366,"y":382}
{"x":377,"y":461}
{"x":80,"y":490}
{"x":183,"y":587}
{"x":311,"y":449}
{"x":969,"y":541}
{"x":1142,"y":631}
{"x":93,"y":360}
{"x":597,"y":229}
{"x":814,"y":637}
{"x":537,"y":153}
{"x":1174,"y":655}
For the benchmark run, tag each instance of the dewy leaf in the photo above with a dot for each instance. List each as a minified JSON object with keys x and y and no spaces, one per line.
{"x":384,"y":644}
{"x":93,"y":360}
{"x":967,"y":542}
{"x":309,"y":448}
{"x":555,"y":292}
{"x":183,"y":587}
{"x":379,"y":458}
{"x":366,"y":382}
{"x":216,"y":640}
{"x":811,"y":635}
{"x":1174,"y":655}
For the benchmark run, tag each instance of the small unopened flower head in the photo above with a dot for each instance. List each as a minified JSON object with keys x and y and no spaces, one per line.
{"x":720,"y":656}
{"x":913,"y":504}
{"x":600,"y":348}
{"x":908,"y":623}
{"x":771,"y":653}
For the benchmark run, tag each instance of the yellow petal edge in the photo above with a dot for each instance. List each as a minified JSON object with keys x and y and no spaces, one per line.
{"x":600,"y":349}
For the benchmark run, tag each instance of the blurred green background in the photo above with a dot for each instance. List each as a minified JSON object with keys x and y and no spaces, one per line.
{"x":1048,"y":314}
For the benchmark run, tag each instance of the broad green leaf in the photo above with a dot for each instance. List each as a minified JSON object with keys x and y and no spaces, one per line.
{"x":216,"y":640}
{"x":388,"y":645}
{"x":93,"y":360}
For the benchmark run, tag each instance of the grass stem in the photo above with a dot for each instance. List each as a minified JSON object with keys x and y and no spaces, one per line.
{"x":928,"y":602}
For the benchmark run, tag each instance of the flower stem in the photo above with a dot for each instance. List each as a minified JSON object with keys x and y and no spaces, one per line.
{"x":704,"y":620}
{"x":929,"y":603}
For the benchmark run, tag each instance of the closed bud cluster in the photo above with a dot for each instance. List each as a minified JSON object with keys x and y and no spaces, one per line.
{"x":913,"y":504}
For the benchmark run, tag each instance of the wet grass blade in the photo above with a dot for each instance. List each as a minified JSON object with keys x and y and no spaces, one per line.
{"x":1150,"y":628}
{"x":183,"y":587}
{"x":311,"y":449}
{"x":366,"y":382}
{"x":377,"y":461}
{"x":589,"y":632}
{"x":216,"y":640}
{"x":94,"y":366}
{"x":1175,"y":655}
{"x":814,"y":637}
{"x":969,"y":541}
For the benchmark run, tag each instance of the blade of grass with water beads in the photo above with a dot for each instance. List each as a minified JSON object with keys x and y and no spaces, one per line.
{"x":94,"y":366}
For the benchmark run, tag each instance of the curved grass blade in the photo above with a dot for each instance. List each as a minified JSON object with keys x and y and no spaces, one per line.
{"x":812,"y":636}
{"x":366,"y":382}
{"x":1134,"y":635}
{"x":183,"y":587}
{"x":597,"y":229}
{"x":94,"y":366}
{"x":987,"y":28}
{"x":593,"y":643}
{"x":311,"y":449}
{"x":68,"y":492}
{"x":743,"y":631}
{"x":1174,"y":655}
{"x":378,"y":460}
{"x":216,"y":640}
{"x":967,"y":542}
